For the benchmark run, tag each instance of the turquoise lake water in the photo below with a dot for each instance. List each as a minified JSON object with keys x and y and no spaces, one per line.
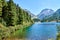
{"x":42,"y":31}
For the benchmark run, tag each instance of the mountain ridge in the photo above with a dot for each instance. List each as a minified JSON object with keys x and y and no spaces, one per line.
{"x":45,"y":13}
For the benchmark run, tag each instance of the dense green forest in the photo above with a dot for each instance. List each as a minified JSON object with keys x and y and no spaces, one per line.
{"x":12,"y":18}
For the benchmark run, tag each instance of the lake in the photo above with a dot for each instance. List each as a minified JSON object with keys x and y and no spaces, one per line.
{"x":42,"y":31}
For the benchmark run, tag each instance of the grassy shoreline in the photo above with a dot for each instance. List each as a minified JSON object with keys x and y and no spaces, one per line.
{"x":9,"y":32}
{"x":21,"y":32}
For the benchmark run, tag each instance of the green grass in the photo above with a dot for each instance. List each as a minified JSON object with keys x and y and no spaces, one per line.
{"x":17,"y":31}
{"x":19,"y":34}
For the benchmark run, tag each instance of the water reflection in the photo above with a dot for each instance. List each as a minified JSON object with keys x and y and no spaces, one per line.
{"x":42,"y":31}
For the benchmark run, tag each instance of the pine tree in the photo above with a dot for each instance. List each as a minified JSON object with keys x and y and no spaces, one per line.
{"x":17,"y":11}
{"x":27,"y":16}
{"x":20,"y":16}
{"x":4,"y":12}
{"x":12,"y":15}
{"x":4,"y":3}
{"x":0,"y":10}
{"x":24,"y":17}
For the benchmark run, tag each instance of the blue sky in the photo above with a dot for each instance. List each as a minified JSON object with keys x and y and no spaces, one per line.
{"x":35,"y":6}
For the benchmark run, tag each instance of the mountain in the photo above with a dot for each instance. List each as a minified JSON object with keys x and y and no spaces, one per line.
{"x":32,"y":15}
{"x":56,"y":15}
{"x":45,"y":13}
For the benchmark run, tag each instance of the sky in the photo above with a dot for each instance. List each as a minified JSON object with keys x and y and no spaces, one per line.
{"x":36,"y":6}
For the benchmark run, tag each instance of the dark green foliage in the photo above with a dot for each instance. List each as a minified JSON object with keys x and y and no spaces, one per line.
{"x":12,"y":18}
{"x":19,"y":15}
{"x":1,"y":8}
{"x":11,"y":14}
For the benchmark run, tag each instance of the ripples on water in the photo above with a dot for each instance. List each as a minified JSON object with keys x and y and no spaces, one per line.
{"x":42,"y":31}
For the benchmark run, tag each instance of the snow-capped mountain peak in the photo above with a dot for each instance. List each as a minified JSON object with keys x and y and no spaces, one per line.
{"x":45,"y":13}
